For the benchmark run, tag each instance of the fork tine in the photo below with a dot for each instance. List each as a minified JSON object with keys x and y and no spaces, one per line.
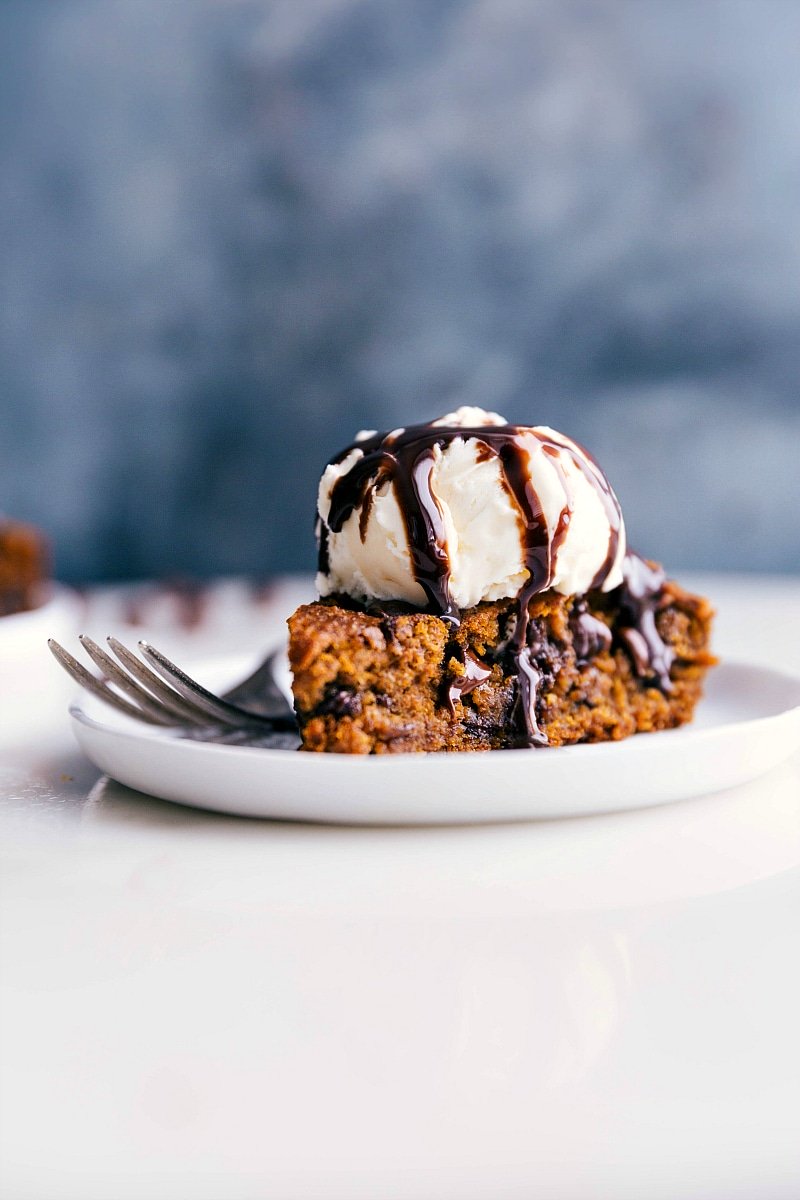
{"x":219,"y":709}
{"x":260,"y":693}
{"x":92,"y":684}
{"x":164,"y":694}
{"x":160,"y":711}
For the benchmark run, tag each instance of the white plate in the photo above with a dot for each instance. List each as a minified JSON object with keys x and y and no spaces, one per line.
{"x":748,"y":722}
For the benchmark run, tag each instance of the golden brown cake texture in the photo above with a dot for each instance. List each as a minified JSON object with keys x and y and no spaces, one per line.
{"x":394,"y":681}
{"x":24,"y":567}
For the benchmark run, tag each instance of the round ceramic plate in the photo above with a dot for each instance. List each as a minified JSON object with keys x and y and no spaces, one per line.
{"x":748,"y":722}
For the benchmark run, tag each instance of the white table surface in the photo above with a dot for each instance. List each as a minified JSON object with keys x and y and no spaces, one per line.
{"x":196,"y":1007}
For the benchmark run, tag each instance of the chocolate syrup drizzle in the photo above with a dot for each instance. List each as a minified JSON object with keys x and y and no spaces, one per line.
{"x":640,"y":597}
{"x":475,"y":673}
{"x":405,"y":458}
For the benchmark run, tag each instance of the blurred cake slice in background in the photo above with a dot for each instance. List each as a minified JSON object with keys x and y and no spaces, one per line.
{"x":24,"y":567}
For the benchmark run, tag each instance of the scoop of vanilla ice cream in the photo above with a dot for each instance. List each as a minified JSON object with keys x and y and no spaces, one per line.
{"x":469,"y":417}
{"x":482,"y":523}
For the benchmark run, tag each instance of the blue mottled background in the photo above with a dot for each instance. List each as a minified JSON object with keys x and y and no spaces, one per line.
{"x":234,"y":231}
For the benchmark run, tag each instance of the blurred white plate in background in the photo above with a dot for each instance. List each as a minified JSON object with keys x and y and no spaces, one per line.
{"x":33,"y":688}
{"x":748,"y":722}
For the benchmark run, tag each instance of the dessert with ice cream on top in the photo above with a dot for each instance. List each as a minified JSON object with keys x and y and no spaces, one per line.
{"x":477,"y":592}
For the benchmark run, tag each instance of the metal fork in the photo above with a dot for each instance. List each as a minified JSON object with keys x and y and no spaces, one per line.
{"x":254,"y":712}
